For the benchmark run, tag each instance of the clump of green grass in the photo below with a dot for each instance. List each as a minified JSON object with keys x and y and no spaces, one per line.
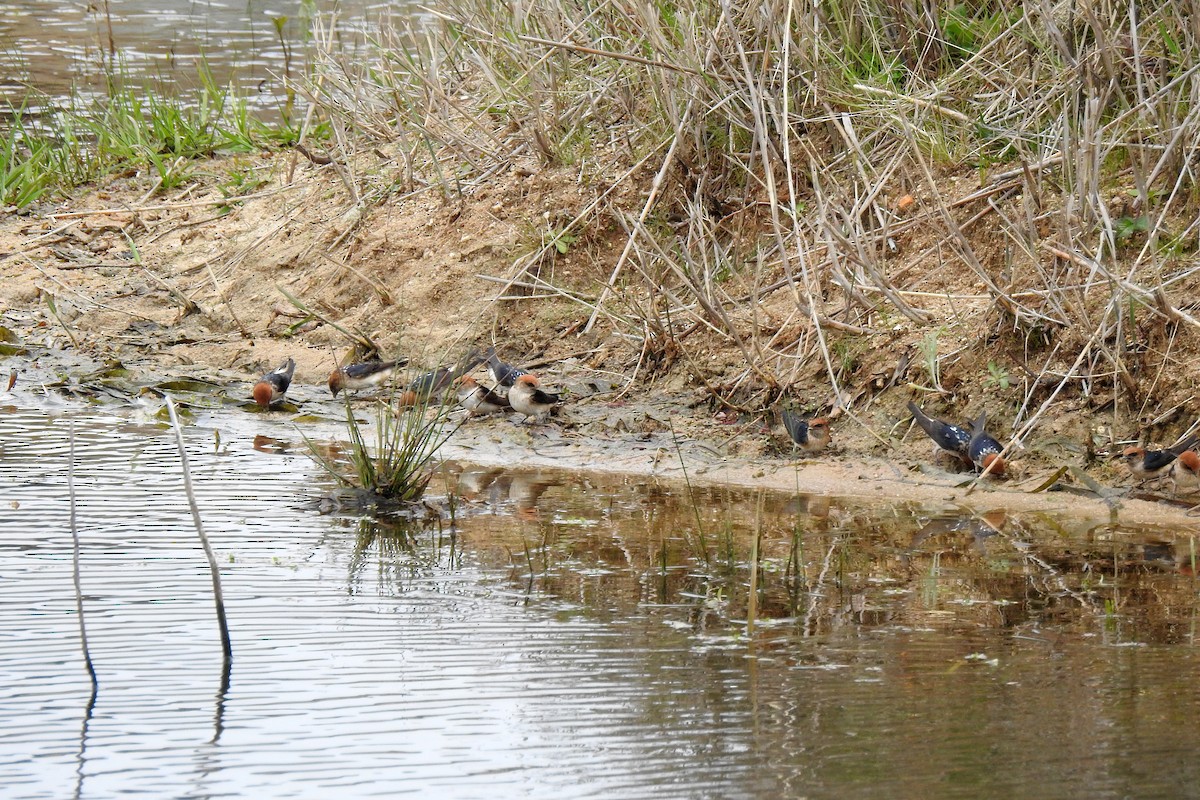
{"x":26,"y":169}
{"x":397,"y":463}
{"x":130,"y":127}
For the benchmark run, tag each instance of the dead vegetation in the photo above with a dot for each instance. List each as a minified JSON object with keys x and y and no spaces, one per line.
{"x":837,"y":205}
{"x":819,"y":191}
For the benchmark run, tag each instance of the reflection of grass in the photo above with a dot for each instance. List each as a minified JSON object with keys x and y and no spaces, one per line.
{"x":796,"y":566}
{"x":405,"y":553}
{"x":393,"y":543}
{"x":399,"y":464}
{"x":703,"y":544}
{"x":931,"y":583}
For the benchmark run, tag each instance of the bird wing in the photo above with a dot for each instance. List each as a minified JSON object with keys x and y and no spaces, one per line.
{"x":797,"y":426}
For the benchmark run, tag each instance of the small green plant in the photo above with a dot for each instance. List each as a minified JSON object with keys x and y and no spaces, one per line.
{"x":997,"y":377}
{"x":563,"y":241}
{"x":1125,"y":228}
{"x":241,"y":181}
{"x":399,"y":465}
{"x":26,"y":169}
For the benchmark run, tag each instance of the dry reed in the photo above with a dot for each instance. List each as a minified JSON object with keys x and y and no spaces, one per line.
{"x":800,"y":157}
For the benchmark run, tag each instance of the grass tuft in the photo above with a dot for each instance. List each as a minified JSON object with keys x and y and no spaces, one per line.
{"x":397,"y":463}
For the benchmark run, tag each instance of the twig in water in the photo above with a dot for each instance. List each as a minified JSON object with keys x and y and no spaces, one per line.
{"x":752,"y":600}
{"x":218,"y":597}
{"x":83,"y":640}
{"x":691,"y":496}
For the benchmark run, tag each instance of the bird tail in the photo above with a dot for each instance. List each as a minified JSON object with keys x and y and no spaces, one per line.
{"x":473,"y":359}
{"x":1185,"y":445}
{"x":978,"y":425}
{"x":796,"y":425}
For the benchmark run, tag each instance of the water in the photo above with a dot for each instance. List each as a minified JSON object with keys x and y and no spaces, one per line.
{"x":565,"y":637}
{"x":62,"y":49}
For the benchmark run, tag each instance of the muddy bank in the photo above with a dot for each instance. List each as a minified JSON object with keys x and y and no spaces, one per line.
{"x":647,"y":438}
{"x":113,"y":296}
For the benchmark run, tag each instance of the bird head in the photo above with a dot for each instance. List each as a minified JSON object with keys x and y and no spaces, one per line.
{"x":989,"y":460}
{"x":818,"y":431}
{"x":527,"y":379}
{"x":1132,"y":455}
{"x":262,"y":394}
{"x":336,"y":379}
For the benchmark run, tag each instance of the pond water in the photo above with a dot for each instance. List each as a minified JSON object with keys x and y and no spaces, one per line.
{"x":64,"y":48}
{"x":566,"y":635}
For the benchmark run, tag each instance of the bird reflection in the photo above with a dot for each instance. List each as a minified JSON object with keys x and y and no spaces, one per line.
{"x":474,"y":481}
{"x":812,"y":505}
{"x":268,"y":444}
{"x":496,"y":487}
{"x":980,"y":527}
{"x":526,"y":489}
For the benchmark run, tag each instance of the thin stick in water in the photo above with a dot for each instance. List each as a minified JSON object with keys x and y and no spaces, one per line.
{"x":218,"y":597}
{"x":756,"y":543}
{"x":83,"y":640}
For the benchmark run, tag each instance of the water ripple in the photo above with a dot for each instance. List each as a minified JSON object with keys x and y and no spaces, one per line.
{"x":529,"y":655}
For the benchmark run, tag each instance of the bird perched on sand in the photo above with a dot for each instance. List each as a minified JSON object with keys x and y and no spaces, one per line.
{"x":502,"y":374}
{"x":478,"y":400}
{"x":985,"y":451}
{"x":947,"y":437}
{"x":1150,"y":464}
{"x":363,"y":375}
{"x":526,"y":397}
{"x":811,"y":434}
{"x":273,"y":386}
{"x":1185,"y":472}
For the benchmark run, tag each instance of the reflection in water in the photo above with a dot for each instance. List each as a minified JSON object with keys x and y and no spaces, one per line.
{"x":81,"y":753}
{"x":571,"y":635}
{"x":825,"y":565}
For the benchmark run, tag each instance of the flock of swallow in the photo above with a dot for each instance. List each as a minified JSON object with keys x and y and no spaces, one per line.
{"x":972,"y":446}
{"x":514,"y":389}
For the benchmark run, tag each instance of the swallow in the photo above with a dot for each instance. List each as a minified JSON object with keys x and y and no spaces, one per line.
{"x":947,"y":437}
{"x":436,"y":382}
{"x":363,"y":375}
{"x":1185,"y":472}
{"x":983,"y":450}
{"x":526,"y":397}
{"x":478,"y":400}
{"x":502,"y":374}
{"x":1149,"y":464}
{"x":273,"y":386}
{"x":811,"y":434}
